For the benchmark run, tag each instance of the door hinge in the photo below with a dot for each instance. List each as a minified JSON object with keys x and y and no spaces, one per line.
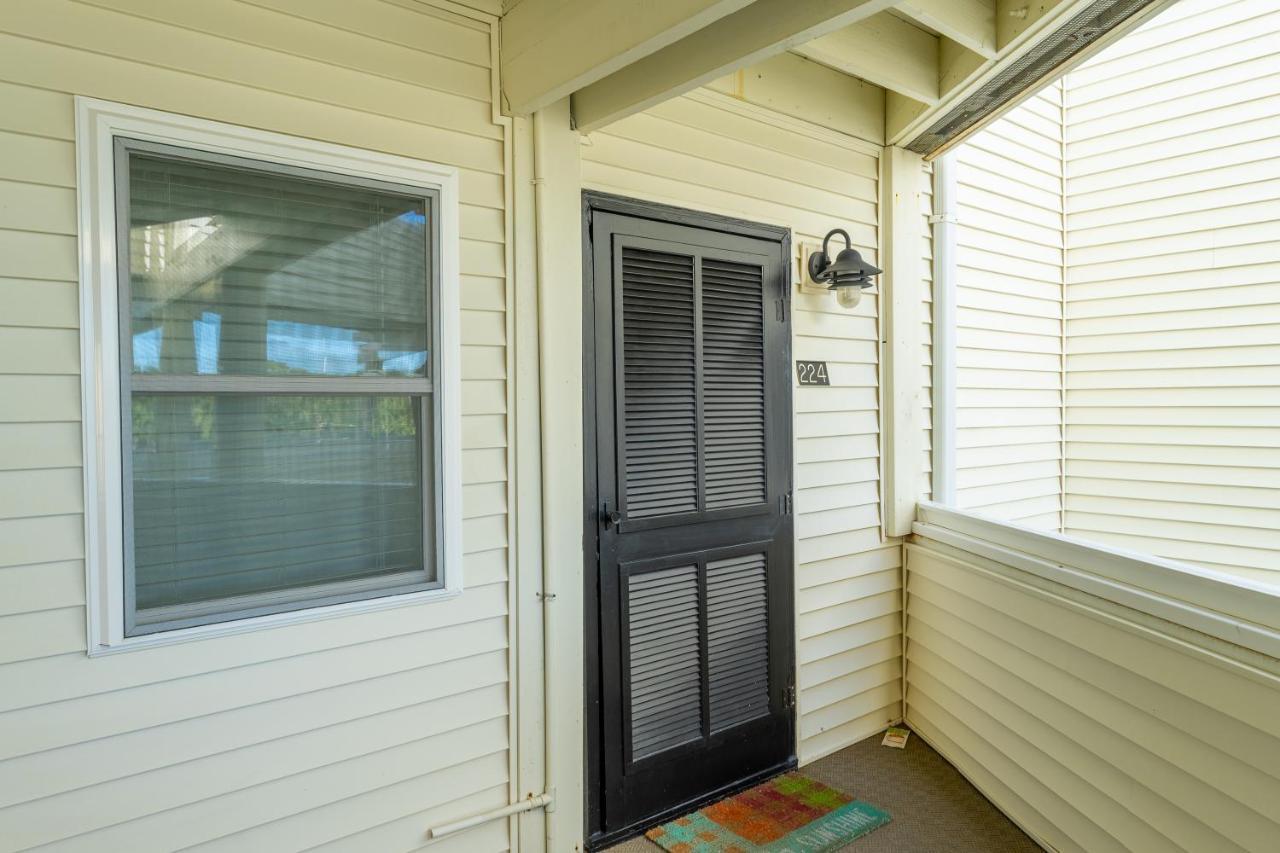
{"x":782,"y":310}
{"x":786,"y":504}
{"x":789,"y":696}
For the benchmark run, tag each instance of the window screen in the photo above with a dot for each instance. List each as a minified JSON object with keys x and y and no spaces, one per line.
{"x":276,"y":346}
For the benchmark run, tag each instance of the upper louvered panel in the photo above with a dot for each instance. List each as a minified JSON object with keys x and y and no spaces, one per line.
{"x":733,"y":383}
{"x":660,"y":421}
{"x":737,"y":640}
{"x":665,"y":671}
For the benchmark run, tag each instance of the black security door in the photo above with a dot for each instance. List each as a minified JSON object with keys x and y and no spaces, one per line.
{"x":690,"y":514}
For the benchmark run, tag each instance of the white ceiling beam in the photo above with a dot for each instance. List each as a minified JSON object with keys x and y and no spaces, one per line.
{"x":1020,"y":27}
{"x":756,"y":32}
{"x":1014,"y":17}
{"x":552,"y":48}
{"x":884,"y":50}
{"x":970,"y":23}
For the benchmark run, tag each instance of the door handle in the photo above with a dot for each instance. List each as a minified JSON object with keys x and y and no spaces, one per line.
{"x":609,"y":517}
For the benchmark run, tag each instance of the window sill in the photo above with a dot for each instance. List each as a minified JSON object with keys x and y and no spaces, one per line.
{"x":1234,"y":610}
{"x":270,"y":621}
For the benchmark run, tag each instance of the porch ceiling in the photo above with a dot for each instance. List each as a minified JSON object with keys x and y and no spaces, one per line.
{"x":948,"y":66}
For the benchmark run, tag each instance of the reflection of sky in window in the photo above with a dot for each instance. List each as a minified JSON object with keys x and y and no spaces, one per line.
{"x":305,"y":347}
{"x":206,"y":332}
{"x":330,"y":350}
{"x":314,"y":349}
{"x":414,"y":217}
{"x":402,"y":362}
{"x":146,"y":350}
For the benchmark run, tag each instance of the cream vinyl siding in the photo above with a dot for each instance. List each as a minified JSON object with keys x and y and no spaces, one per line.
{"x":1009,"y":316}
{"x":350,"y":733}
{"x":1173,"y":289}
{"x":1091,"y":726}
{"x":710,"y":152}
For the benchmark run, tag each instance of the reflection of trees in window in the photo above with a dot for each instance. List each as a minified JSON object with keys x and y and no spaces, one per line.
{"x":380,"y":417}
{"x":377,"y":416}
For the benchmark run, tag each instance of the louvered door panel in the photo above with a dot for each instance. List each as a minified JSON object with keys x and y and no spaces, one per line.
{"x":660,"y":420}
{"x":737,"y":640}
{"x":664,"y":633}
{"x":733,"y":383}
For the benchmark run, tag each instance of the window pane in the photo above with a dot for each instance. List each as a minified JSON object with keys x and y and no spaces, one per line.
{"x":252,"y":273}
{"x":248,"y":494}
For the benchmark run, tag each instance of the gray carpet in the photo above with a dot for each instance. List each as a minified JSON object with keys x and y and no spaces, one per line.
{"x":935,"y":810}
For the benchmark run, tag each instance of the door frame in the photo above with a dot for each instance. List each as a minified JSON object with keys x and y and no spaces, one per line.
{"x":593,"y":202}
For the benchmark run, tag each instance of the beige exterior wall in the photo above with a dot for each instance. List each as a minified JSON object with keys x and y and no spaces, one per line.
{"x":1173,"y":289}
{"x":1009,"y":316}
{"x":1125,"y":249}
{"x":1137,"y":219}
{"x":1094,"y":727}
{"x":351,"y":733}
{"x":712,"y":152}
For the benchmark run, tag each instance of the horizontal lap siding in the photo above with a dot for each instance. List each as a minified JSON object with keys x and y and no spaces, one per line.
{"x":1173,"y":218}
{"x":1009,"y":316}
{"x":1093,"y":734}
{"x":345,"y":734}
{"x":702,"y":152}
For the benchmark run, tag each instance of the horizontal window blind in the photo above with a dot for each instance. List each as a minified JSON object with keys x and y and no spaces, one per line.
{"x":280,"y":427}
{"x":250,"y":273}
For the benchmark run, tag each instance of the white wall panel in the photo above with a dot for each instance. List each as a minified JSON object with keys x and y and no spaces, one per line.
{"x":1009,"y":316}
{"x":1086,"y":723}
{"x":351,"y":733}
{"x":1173,"y":256}
{"x":1119,"y":243}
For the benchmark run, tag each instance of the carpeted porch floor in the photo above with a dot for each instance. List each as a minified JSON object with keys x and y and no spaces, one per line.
{"x":934,"y":808}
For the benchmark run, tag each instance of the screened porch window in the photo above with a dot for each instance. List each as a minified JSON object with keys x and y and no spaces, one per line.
{"x":279,"y":411}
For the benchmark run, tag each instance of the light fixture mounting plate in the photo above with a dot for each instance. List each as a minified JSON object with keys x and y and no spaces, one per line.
{"x":818,"y":261}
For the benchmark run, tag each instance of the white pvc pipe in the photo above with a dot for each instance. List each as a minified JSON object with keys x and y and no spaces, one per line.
{"x":944,"y":329}
{"x":526,"y":805}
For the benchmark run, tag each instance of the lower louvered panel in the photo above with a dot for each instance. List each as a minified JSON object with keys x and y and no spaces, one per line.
{"x":737,"y":640}
{"x":665,"y":672}
{"x":733,"y":383}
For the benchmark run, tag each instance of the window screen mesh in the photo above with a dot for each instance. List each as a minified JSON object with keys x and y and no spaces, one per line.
{"x":249,"y":493}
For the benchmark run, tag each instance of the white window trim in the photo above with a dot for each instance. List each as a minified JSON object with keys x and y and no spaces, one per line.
{"x":1238,"y":611}
{"x":97,"y":124}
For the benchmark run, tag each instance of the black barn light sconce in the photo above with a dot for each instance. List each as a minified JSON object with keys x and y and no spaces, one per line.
{"x":848,"y":275}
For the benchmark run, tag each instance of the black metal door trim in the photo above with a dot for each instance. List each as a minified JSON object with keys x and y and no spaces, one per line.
{"x":783,"y":586}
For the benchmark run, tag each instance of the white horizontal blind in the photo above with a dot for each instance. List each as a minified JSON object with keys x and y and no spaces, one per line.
{"x":1008,"y":316}
{"x":244,"y":495}
{"x":298,"y":276}
{"x":1173,"y":289}
{"x":249,"y":494}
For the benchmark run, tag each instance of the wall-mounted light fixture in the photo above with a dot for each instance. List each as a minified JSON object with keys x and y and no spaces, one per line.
{"x":848,"y":275}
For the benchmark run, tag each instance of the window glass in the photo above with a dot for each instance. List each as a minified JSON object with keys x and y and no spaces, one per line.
{"x":235,"y":495}
{"x":279,"y":423}
{"x":249,"y":273}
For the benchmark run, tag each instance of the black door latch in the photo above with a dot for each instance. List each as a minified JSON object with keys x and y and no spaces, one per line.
{"x":609,"y":517}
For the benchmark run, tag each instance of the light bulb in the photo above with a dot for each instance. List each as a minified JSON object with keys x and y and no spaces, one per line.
{"x":849,"y":297}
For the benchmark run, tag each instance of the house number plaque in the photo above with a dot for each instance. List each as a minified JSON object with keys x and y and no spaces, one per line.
{"x":812,"y":373}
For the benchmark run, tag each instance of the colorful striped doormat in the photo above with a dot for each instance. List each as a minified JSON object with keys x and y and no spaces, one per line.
{"x":788,"y":814}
